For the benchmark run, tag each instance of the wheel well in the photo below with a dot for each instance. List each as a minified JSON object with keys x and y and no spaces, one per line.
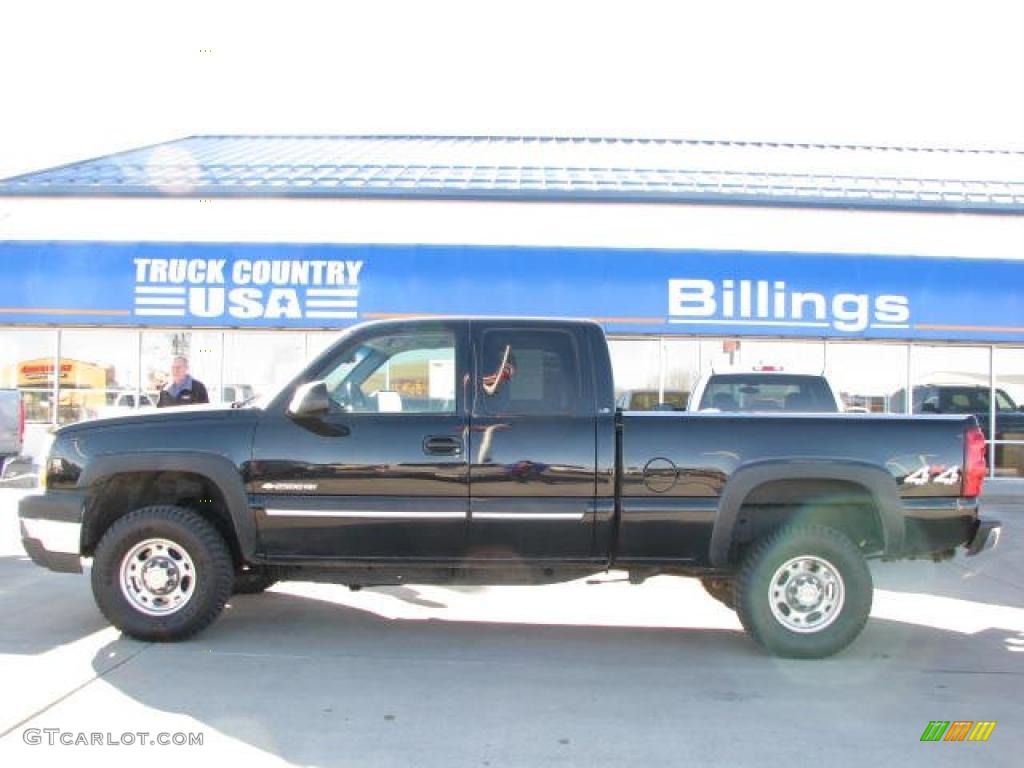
{"x":122,"y":493}
{"x":838,"y":504}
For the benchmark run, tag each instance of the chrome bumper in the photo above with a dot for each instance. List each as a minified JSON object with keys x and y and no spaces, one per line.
{"x":51,"y":530}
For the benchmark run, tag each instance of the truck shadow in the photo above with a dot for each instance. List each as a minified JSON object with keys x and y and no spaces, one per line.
{"x":990,"y":580}
{"x":42,"y":610}
{"x":411,"y":596}
{"x":314,"y":681}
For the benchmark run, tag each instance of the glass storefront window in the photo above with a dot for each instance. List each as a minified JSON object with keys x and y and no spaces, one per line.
{"x":949,"y":366}
{"x":949,"y":379}
{"x":1009,"y":381}
{"x":99,"y":374}
{"x":203,"y":349}
{"x":318,"y":341}
{"x":159,"y":348}
{"x":744,"y":355}
{"x":105,"y":371}
{"x":27,"y":363}
{"x":751,"y":354}
{"x":258,"y":364}
{"x":636,"y":368}
{"x":682,"y":369}
{"x":206,"y":353}
{"x":867,"y":375}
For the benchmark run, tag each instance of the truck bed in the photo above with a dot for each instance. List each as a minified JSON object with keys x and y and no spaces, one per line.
{"x":682,"y":472}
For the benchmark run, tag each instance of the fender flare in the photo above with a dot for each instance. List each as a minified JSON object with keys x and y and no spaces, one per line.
{"x":876,"y":481}
{"x":214,"y":467}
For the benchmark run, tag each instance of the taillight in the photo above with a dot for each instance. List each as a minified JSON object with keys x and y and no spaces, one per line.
{"x":975,"y":467}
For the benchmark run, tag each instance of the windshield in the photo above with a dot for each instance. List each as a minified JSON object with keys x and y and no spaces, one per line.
{"x":346,"y":365}
{"x":964,"y":400}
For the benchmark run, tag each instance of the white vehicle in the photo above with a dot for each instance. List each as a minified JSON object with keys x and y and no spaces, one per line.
{"x":233,"y":393}
{"x":125,"y":403}
{"x":763,"y":391}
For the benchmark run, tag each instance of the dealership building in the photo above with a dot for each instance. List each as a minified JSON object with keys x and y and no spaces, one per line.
{"x":888,"y":268}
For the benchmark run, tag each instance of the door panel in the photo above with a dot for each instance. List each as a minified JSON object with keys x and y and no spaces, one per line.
{"x":532,"y":448}
{"x":384,"y":473}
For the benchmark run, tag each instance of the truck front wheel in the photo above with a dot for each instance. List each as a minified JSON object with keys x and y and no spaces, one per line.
{"x":162,"y":573}
{"x":804,"y":592}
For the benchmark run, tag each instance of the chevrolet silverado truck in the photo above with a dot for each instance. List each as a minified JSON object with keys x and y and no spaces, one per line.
{"x":490,"y":451}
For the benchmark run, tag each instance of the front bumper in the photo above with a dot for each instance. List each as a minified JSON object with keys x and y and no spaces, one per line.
{"x":986,"y":536}
{"x":51,"y":530}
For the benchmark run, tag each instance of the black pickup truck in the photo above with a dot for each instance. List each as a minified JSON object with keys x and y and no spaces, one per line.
{"x":490,"y":451}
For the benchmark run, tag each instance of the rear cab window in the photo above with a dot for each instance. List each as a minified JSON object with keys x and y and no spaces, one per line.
{"x":528,"y":372}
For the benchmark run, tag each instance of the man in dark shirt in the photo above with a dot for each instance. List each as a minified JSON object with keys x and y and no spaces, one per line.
{"x":183,"y":389}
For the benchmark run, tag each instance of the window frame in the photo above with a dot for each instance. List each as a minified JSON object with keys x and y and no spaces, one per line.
{"x":350,"y":342}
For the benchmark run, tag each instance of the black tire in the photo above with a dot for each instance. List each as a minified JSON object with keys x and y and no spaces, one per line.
{"x":209,"y":575}
{"x":763,"y":583}
{"x":252,"y":582}
{"x":722,"y":589}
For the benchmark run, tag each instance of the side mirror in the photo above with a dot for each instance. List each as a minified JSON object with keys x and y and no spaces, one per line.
{"x":310,"y":400}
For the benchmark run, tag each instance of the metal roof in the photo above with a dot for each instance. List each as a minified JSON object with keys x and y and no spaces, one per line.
{"x":538,"y":168}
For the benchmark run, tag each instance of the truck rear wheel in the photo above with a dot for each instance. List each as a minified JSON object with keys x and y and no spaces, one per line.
{"x":162,"y":573}
{"x":804,"y":592}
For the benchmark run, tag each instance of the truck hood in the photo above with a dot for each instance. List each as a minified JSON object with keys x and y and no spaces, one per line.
{"x":163,"y":417}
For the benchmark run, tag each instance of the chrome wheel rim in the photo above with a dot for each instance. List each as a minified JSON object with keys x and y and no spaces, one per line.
{"x":158,"y":577}
{"x":806,"y":594}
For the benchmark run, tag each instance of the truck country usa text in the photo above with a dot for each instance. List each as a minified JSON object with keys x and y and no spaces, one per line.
{"x":772,"y":303}
{"x":247,"y":289}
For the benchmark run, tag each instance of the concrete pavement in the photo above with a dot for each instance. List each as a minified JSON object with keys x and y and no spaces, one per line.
{"x":573,"y":674}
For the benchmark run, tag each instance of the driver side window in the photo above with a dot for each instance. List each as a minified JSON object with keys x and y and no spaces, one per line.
{"x":398,"y":372}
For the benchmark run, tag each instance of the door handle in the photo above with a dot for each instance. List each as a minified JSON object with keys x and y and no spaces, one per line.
{"x":442,"y":445}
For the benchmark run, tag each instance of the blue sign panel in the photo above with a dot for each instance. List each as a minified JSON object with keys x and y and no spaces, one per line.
{"x":244,"y":285}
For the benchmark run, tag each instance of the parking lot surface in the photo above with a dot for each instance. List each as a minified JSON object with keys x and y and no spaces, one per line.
{"x":575,"y":674}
